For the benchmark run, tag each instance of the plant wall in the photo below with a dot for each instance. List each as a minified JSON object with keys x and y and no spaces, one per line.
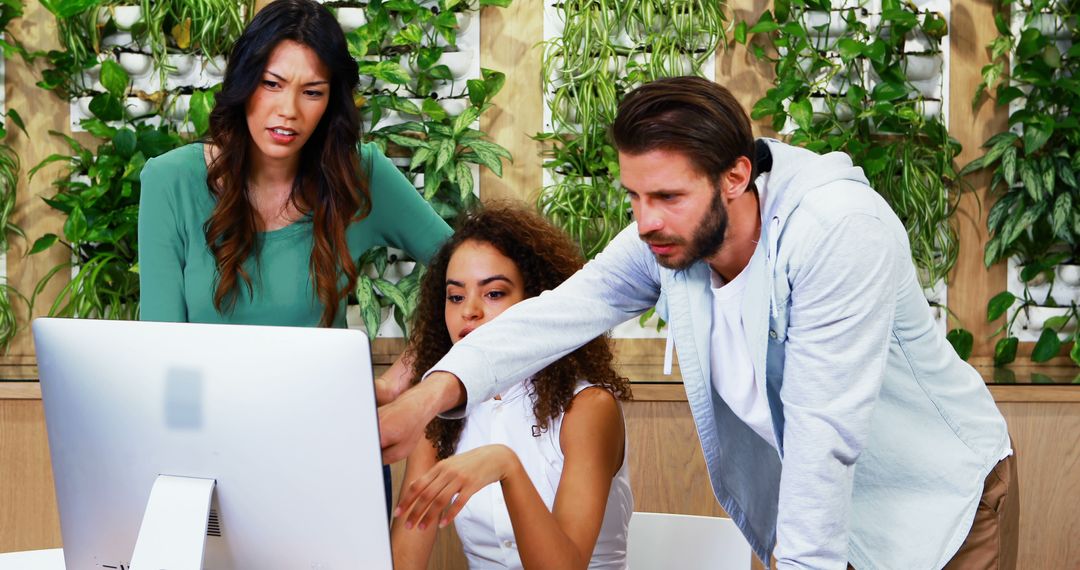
{"x":596,"y":51}
{"x":9,"y":178}
{"x":869,"y":78}
{"x":1034,"y":223}
{"x":141,"y":77}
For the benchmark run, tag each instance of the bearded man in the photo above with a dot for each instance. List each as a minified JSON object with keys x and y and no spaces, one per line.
{"x":839,"y":427}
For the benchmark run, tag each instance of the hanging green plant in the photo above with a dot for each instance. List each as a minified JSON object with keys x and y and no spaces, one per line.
{"x":421,"y":105}
{"x":99,"y":196}
{"x":1035,"y":219}
{"x":603,"y":50}
{"x":843,"y":84}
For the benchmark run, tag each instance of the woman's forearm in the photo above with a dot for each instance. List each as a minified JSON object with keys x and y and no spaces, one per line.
{"x":541,"y":541}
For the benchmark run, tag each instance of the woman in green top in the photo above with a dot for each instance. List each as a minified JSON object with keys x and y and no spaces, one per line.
{"x":263,"y":222}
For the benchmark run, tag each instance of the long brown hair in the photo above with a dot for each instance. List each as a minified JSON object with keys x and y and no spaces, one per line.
{"x":546,"y":257}
{"x":329,"y":185}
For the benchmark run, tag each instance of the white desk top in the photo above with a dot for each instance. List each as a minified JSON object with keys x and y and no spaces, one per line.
{"x":52,"y":559}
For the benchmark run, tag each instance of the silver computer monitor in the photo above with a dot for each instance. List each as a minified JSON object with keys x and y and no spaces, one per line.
{"x":283,"y":420}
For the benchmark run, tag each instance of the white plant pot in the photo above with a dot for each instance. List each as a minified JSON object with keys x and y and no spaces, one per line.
{"x":126,"y":16}
{"x":136,"y":64}
{"x":465,"y":22}
{"x":921,"y":67}
{"x":820,"y":108}
{"x":351,"y":18}
{"x":178,"y":111}
{"x":215,"y":67}
{"x":121,"y":39}
{"x":1036,"y":281}
{"x":459,"y":62}
{"x":1069,"y":274}
{"x":181,"y":63}
{"x":928,"y":108}
{"x":418,"y":180}
{"x":1037,"y":316}
{"x":83,"y":105}
{"x":135,"y":107}
{"x":834,"y":20}
{"x":1050,"y":25}
{"x":454,"y":106}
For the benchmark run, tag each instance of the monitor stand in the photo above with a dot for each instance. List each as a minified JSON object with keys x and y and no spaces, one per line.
{"x":173,"y":530}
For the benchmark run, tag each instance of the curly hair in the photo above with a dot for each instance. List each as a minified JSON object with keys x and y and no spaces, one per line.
{"x":330,"y":185}
{"x":546,"y":257}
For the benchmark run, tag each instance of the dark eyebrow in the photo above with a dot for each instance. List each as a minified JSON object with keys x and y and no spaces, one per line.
{"x":483,"y":282}
{"x":308,"y":84}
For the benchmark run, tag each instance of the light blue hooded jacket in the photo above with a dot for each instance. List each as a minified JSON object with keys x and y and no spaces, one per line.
{"x":884,"y":436}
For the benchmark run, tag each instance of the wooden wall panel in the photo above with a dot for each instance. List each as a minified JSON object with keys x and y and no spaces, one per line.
{"x":42,"y":113}
{"x":28,"y":517}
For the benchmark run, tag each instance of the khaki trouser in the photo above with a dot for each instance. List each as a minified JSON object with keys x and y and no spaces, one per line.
{"x":995,"y":534}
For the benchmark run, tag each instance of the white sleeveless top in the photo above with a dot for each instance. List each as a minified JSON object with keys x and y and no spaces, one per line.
{"x":484,"y":523}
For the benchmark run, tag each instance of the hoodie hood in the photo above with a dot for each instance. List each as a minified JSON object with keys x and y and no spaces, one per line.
{"x":795,"y":172}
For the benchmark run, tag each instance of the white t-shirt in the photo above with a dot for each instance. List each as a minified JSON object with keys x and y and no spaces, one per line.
{"x":733,"y":375}
{"x":483,"y":525}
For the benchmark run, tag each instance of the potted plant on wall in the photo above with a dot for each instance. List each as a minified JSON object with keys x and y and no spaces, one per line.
{"x":850,"y":81}
{"x":1035,"y":220}
{"x":421,"y":108}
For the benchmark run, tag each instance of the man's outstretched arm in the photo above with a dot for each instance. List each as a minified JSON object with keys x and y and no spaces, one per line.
{"x":622,"y":282}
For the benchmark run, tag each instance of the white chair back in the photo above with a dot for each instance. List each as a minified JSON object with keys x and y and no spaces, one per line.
{"x":659,"y":541}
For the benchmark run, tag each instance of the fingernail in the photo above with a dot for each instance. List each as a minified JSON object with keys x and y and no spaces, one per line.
{"x":443,"y":523}
{"x":422,"y":526}
{"x":408,"y":526}
{"x":397,"y":512}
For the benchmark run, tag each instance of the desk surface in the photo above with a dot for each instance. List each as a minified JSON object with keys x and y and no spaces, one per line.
{"x":52,"y":559}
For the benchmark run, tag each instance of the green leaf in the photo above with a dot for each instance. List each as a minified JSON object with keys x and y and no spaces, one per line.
{"x":391,"y":291}
{"x":202,"y":103}
{"x":1036,"y":135}
{"x":999,"y":304}
{"x":419,"y":157}
{"x":106,"y":107}
{"x":802,"y":113}
{"x":477,"y":92}
{"x":124,"y":141}
{"x":75,"y":226}
{"x":1008,"y":165}
{"x":407,"y":142}
{"x":465,"y":119}
{"x":962,"y":342}
{"x":1047,"y":346}
{"x":370,"y":310}
{"x":1057,"y":322}
{"x":888,"y":91}
{"x":1075,"y":352}
{"x":445,"y":153}
{"x":1031,"y":180}
{"x":464,"y":180}
{"x":114,"y":78}
{"x":740,"y":32}
{"x":849,"y":49}
{"x":1062,"y":216}
{"x":42,"y":243}
{"x":433,"y":110}
{"x":1005,"y":350}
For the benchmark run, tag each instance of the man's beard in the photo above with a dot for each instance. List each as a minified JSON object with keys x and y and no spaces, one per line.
{"x":707,"y":239}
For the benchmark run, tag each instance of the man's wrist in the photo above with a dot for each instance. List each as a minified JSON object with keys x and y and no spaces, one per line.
{"x":446,"y":390}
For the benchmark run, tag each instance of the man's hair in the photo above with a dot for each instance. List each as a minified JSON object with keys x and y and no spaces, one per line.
{"x":689,"y":115}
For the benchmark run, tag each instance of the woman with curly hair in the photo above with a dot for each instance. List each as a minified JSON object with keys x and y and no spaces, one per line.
{"x":554,"y":443}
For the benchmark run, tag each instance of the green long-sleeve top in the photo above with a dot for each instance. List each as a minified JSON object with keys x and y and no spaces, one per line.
{"x":177,"y":272}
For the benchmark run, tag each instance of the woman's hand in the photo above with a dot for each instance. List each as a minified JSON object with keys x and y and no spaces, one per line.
{"x":441,"y":493}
